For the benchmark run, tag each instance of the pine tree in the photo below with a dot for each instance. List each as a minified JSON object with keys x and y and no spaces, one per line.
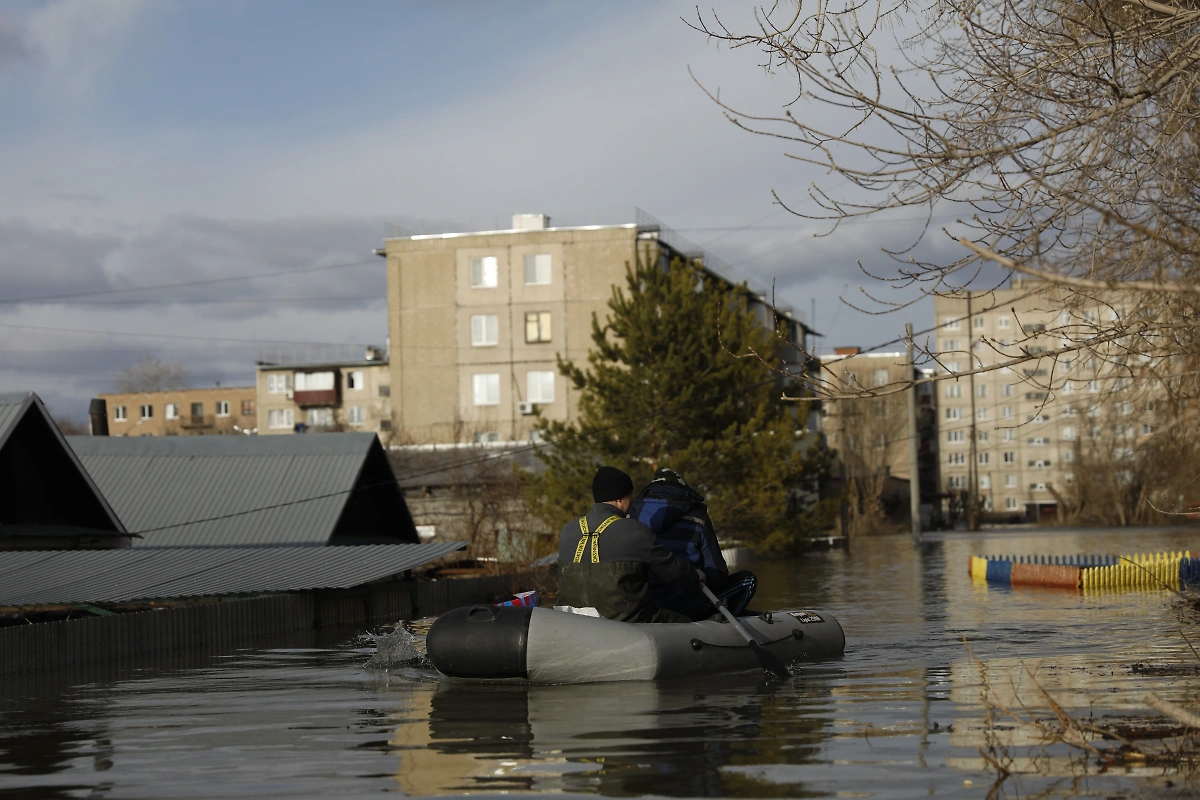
{"x":676,"y":378}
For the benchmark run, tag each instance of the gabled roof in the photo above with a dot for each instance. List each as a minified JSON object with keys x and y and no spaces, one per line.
{"x":32,"y":445}
{"x":213,"y":491}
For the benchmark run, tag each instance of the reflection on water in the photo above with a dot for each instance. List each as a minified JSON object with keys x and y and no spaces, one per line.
{"x":899,"y":715}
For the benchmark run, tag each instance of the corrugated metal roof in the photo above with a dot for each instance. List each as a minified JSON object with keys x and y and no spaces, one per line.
{"x":227,"y":490}
{"x":12,"y":407}
{"x":111,"y":576}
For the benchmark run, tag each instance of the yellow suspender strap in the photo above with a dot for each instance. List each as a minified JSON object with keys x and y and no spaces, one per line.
{"x":583,"y":528}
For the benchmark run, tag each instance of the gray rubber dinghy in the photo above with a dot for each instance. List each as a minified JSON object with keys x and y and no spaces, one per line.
{"x":540,"y":645}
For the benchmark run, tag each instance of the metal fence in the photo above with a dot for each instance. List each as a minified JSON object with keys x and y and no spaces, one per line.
{"x":229,"y":623}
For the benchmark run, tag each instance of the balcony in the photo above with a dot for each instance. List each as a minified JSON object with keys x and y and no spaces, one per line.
{"x":309,"y":398}
{"x":194,"y":421}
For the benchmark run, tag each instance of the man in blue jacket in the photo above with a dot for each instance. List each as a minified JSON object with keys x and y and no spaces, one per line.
{"x":679,"y":518}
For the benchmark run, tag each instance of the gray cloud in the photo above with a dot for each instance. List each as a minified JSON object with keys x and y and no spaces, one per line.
{"x":38,"y":260}
{"x":15,"y":46}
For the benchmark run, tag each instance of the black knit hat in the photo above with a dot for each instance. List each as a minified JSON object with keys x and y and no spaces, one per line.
{"x":611,"y":483}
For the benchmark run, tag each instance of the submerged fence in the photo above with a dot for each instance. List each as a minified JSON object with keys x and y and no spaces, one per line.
{"x":1167,"y":570}
{"x":228,"y":623}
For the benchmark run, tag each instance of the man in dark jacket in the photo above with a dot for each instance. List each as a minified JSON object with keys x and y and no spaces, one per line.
{"x":606,"y":560}
{"x":679,"y":518}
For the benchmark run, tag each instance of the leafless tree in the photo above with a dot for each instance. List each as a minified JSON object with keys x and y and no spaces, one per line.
{"x":1066,"y":130}
{"x":150,"y":374}
{"x":1063,"y":134}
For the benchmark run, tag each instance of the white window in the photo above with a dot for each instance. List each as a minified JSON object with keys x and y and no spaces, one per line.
{"x":354,"y":380}
{"x":1125,"y":408}
{"x":951,"y":344}
{"x":1147,"y":429}
{"x":1068,"y":477}
{"x":1006,"y":390}
{"x":1093,"y":386}
{"x":484,"y":437}
{"x":354,"y":415}
{"x":980,"y":322}
{"x":953,"y":413}
{"x":222,"y":408}
{"x":1008,"y":435}
{"x":537,"y":326}
{"x":485,"y":388}
{"x":981,"y":390}
{"x":984,"y":457}
{"x":1006,"y":412}
{"x":1068,"y":433}
{"x":1003,"y":322}
{"x":279,"y":384}
{"x":484,"y":330}
{"x":484,"y":272}
{"x":951,"y":323}
{"x":1010,"y":480}
{"x":1010,"y":457}
{"x":537,"y":269}
{"x":953,"y":390}
{"x":147,"y":412}
{"x":279,"y":418}
{"x":954,"y":436}
{"x":539,"y":386}
{"x":314,"y":381}
{"x":956,"y":458}
{"x":985,"y":481}
{"x":1151,"y":406}
{"x":880,"y":377}
{"x":957,"y":481}
{"x":1068,"y":387}
{"x":953,"y":366}
{"x":1068,"y":456}
{"x":981,"y":435}
{"x":981,"y":413}
{"x":1040,"y":441}
{"x":1010,"y":503}
{"x":1038,"y":487}
{"x":172,"y":411}
{"x":320,"y":417}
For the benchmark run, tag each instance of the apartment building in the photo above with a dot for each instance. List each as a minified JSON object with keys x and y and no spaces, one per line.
{"x":1029,"y":420}
{"x":182,"y":412}
{"x":299,"y":396}
{"x":870,"y":434}
{"x":478,"y":319}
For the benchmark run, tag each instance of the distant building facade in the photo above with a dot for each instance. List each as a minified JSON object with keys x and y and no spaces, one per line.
{"x":477,"y":321}
{"x":182,"y":412}
{"x":1030,"y":421}
{"x":870,"y":434}
{"x":343,"y":395}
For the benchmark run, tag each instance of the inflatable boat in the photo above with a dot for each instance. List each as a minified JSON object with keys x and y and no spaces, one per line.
{"x":541,"y":645}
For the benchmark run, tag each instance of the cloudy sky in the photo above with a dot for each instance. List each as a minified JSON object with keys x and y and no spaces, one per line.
{"x":152,"y":150}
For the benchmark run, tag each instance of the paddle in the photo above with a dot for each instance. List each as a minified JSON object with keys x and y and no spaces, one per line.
{"x":768,"y":660}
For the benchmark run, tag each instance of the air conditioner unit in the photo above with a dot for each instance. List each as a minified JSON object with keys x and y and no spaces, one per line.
{"x":525,"y":407}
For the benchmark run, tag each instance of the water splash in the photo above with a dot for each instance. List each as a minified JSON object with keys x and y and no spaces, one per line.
{"x":397,"y":649}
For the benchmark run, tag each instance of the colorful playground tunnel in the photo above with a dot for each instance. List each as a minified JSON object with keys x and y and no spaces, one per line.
{"x":1172,"y":570}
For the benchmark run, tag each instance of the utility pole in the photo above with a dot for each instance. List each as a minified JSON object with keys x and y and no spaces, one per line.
{"x":914,"y":442}
{"x":973,"y":467}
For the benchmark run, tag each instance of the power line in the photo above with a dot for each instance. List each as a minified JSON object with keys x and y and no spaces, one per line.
{"x":186,"y":337}
{"x":182,"y":284}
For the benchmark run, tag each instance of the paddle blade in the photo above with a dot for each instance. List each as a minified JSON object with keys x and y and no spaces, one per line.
{"x":770,"y":662}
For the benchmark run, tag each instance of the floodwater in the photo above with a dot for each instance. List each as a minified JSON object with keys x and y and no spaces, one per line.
{"x":899,"y":716}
